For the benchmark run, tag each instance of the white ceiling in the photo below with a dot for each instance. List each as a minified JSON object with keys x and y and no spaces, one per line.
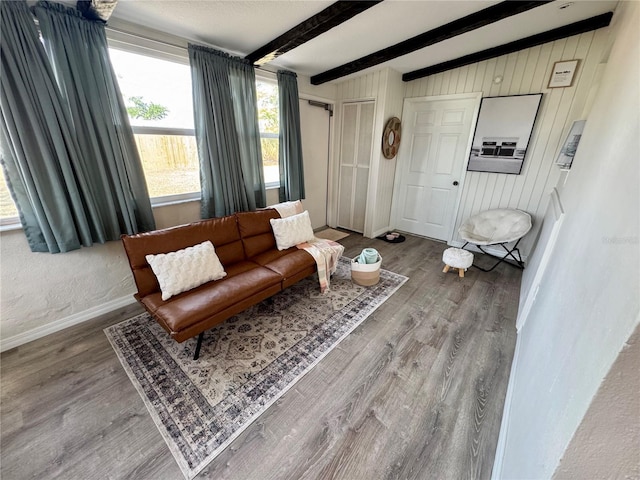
{"x":242,"y":26}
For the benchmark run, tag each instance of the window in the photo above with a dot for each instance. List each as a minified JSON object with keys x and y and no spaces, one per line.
{"x":268,"y":119}
{"x":161,"y":115}
{"x":157,"y":95}
{"x":8,"y":210}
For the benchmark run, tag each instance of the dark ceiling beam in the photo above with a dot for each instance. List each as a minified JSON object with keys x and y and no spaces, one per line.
{"x":576,"y":28}
{"x":457,"y":27}
{"x":328,"y":18}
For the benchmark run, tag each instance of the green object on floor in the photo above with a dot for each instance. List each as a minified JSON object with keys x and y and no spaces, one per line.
{"x":368,"y":255}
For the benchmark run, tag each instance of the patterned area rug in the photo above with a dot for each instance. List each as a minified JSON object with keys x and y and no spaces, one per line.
{"x":245,"y":364}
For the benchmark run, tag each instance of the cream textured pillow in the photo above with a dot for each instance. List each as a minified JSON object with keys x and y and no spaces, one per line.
{"x":292,"y":230}
{"x":287,"y":209}
{"x":185,"y":269}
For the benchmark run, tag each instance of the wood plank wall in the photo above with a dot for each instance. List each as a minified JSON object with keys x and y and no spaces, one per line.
{"x":386,"y":88}
{"x":362,"y":87}
{"x":386,"y":168}
{"x":526,"y":71}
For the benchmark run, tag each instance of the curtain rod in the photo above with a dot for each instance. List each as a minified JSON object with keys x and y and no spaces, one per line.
{"x":137,"y":35}
{"x":181,"y":47}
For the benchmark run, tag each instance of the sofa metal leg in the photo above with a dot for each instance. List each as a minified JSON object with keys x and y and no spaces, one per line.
{"x":198,"y":345}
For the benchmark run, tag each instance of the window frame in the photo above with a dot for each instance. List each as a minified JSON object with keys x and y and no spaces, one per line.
{"x":13,"y":222}
{"x":149,"y":48}
{"x":173,"y":53}
{"x":270,"y":185}
{"x":269,"y":77}
{"x":165,"y":200}
{"x":10,"y":223}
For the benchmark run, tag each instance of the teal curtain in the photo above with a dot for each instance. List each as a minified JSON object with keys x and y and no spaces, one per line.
{"x":290,"y":152}
{"x":227,"y":132}
{"x":40,"y":155}
{"x":78,"y":51}
{"x":245,"y":107}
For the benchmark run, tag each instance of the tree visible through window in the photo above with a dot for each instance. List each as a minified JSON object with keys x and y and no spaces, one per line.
{"x":157,"y":96}
{"x":139,"y":109}
{"x":268,"y":119}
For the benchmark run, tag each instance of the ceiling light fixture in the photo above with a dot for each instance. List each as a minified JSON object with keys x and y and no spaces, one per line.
{"x":498,"y":79}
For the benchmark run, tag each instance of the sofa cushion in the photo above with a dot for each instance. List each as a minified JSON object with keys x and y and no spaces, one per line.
{"x":222,"y":232}
{"x":205,"y":301}
{"x":287,"y":263}
{"x":255,"y":230}
{"x":293,"y":230}
{"x":185,"y":269}
{"x":240,"y":267}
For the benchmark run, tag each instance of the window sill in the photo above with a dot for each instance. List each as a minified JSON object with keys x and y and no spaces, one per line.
{"x":155,"y":203}
{"x":175,"y":199}
{"x":174,"y":202}
{"x":165,"y":202}
{"x":10,"y":227}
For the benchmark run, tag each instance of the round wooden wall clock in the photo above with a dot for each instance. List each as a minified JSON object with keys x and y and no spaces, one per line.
{"x":391,"y":138}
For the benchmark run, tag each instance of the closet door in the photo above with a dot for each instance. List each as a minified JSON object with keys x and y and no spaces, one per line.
{"x":355,"y":158}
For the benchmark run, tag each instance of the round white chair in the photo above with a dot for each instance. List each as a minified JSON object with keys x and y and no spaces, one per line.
{"x":497,"y":227}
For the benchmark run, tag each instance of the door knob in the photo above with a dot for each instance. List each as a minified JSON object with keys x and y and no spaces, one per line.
{"x":455,"y":183}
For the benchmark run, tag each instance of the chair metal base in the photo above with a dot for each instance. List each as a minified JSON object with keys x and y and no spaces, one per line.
{"x":510,"y":253}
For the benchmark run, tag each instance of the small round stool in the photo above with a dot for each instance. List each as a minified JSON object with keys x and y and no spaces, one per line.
{"x":457,"y":258}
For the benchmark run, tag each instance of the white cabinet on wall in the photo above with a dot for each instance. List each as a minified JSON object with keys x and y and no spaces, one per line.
{"x":355,"y":159}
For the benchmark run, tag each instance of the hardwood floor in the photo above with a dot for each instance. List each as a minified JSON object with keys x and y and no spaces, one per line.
{"x":415,"y":392}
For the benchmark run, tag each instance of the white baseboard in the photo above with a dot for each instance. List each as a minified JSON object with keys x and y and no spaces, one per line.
{"x":57,"y":325}
{"x":381,"y":231}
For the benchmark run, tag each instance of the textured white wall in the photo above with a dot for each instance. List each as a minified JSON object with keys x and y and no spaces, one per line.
{"x":40,"y":288}
{"x":609,"y":433}
{"x":588,"y":303}
{"x":326,"y":91}
{"x":41,"y":291}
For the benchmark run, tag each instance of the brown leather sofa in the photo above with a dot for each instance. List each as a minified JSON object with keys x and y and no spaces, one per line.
{"x":246,"y":247}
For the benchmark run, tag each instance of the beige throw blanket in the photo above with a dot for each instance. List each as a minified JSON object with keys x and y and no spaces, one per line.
{"x":326,"y":254}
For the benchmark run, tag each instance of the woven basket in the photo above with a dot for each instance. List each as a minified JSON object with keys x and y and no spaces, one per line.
{"x":365,"y":274}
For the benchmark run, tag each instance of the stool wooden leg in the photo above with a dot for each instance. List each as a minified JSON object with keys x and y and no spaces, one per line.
{"x":446,"y":268}
{"x":461,"y":272}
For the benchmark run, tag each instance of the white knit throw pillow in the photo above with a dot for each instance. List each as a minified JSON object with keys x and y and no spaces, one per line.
{"x":185,"y":269}
{"x":287,"y":209}
{"x":292,"y":230}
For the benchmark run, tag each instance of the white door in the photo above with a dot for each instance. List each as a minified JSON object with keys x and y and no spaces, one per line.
{"x":436,"y":137}
{"x":315,"y":124}
{"x":355,"y":158}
